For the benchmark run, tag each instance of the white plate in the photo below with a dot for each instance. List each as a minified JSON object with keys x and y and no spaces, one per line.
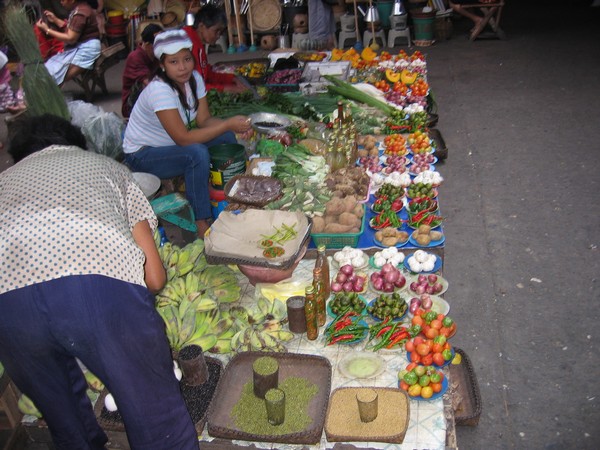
{"x":361,"y":365}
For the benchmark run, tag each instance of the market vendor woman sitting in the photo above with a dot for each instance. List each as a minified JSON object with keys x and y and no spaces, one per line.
{"x":81,"y":38}
{"x":170,"y":129}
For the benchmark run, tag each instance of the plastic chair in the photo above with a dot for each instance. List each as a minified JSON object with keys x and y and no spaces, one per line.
{"x":298,"y":39}
{"x":395,"y":34}
{"x":343,"y":36}
{"x":379,"y":36}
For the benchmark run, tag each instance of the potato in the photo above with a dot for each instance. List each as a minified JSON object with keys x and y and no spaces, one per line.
{"x":337,"y":228}
{"x":424,"y":229}
{"x":335,"y":206}
{"x":359,"y":210}
{"x":331,"y":218}
{"x":347,"y":218}
{"x":423,"y":239}
{"x":436,"y":235}
{"x":389,"y":241}
{"x":389,"y":232}
{"x":318,"y":224}
{"x":402,"y":236}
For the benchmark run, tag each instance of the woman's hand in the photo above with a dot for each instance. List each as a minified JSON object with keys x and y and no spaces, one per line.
{"x":50,"y":16}
{"x":42,"y":26}
{"x":239,"y":124}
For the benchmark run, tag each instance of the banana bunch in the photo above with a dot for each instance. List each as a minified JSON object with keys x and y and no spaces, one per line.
{"x":180,"y":261}
{"x":188,"y":288}
{"x":185,"y":325}
{"x":260,"y":327}
{"x":221,"y":283}
{"x":27,"y":407}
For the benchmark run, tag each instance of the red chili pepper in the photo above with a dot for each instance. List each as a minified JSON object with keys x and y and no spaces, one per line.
{"x":397,"y":337}
{"x":383,"y":331}
{"x":343,"y":337}
{"x":418,"y":216}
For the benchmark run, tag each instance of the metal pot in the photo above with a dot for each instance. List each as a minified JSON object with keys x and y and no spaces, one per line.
{"x":372,"y":15}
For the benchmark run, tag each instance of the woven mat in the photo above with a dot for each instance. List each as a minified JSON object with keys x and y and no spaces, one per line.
{"x":266,"y":14}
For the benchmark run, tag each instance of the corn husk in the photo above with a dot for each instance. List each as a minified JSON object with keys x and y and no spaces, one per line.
{"x":42,"y":94}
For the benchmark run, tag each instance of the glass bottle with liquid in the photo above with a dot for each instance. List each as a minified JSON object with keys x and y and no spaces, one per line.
{"x":323,"y":263}
{"x":319,"y":287}
{"x":310,"y":313}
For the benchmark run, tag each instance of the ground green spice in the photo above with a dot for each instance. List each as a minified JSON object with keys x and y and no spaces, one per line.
{"x":250,"y":414}
{"x":274,"y":395}
{"x":265,"y":365}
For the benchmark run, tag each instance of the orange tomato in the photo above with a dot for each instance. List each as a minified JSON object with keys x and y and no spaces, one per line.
{"x":410,"y":347}
{"x":414,"y":390}
{"x":411,"y":366}
{"x":426,"y":392}
{"x":444,"y":331}
{"x":437,"y":348}
{"x":423,"y":349}
{"x":414,"y":357}
{"x":404,"y":385}
{"x":417,"y":320}
{"x":437,"y":324}
{"x":432,"y":333}
{"x":418,"y":340}
{"x":436,"y":387}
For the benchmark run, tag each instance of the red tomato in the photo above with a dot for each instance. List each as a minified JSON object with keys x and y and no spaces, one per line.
{"x":417,"y":320}
{"x":414,"y":357}
{"x":437,"y":387}
{"x":418,"y":340}
{"x":410,"y":346}
{"x":403,"y":385}
{"x":438,"y":359}
{"x":411,"y":366}
{"x":431,"y":333}
{"x":437,"y":348}
{"x":423,"y":349}
{"x":427,"y":360}
{"x":437,"y":324}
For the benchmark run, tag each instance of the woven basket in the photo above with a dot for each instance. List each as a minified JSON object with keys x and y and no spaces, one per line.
{"x":266,"y":15}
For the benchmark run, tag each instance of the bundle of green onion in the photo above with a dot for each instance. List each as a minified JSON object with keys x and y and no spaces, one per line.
{"x":42,"y":94}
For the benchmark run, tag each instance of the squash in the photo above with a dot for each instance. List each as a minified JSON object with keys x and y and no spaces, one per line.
{"x":336,"y":54}
{"x":392,"y":77}
{"x":368,"y":54}
{"x":408,"y":77}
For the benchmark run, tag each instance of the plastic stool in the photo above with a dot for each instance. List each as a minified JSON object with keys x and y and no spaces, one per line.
{"x":379,"y":36}
{"x":167,"y":207}
{"x":395,"y":34}
{"x":221,"y":42}
{"x":343,"y":36}
{"x":297,"y":39}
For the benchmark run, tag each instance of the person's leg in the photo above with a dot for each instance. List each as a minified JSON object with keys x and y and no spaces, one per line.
{"x":72,"y":72}
{"x":44,"y":371}
{"x":192,"y":161}
{"x":465,"y":12}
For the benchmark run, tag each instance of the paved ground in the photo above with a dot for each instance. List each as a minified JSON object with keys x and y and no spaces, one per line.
{"x":521,"y":119}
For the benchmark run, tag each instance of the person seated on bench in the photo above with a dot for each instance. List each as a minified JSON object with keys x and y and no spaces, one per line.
{"x":209,"y":24}
{"x":140,"y":67}
{"x":81,"y":39}
{"x":170,"y":129}
{"x":456,"y":5}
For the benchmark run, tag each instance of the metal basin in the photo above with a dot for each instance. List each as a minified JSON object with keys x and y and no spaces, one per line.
{"x":264,"y":122}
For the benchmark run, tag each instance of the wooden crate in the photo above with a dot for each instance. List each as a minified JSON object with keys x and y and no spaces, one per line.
{"x":10,"y":416}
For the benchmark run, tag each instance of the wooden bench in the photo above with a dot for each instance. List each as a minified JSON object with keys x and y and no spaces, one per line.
{"x":89,"y":79}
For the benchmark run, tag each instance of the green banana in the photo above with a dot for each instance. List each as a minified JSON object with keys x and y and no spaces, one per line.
{"x":183,"y":270}
{"x":93,"y":381}
{"x":222,"y":346}
{"x":27,"y":407}
{"x":206,"y":341}
{"x":206,"y":304}
{"x":278,"y":309}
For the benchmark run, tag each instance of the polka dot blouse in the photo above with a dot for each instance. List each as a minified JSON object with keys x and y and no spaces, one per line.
{"x":64,"y":211}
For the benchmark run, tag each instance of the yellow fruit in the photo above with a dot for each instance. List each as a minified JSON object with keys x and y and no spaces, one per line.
{"x":368,"y":54}
{"x":426,"y":392}
{"x":415,"y":390}
{"x":408,"y":77}
{"x":457,"y":359}
{"x":392,"y":76}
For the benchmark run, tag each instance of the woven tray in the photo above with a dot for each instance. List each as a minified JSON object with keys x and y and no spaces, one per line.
{"x":343,"y":422}
{"x":197,"y":400}
{"x":238,"y":372}
{"x":281,"y":265}
{"x":237,"y":199}
{"x":466,"y":392}
{"x":266,"y":14}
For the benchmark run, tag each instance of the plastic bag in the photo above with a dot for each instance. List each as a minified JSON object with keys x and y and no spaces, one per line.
{"x":104,"y":134}
{"x":81,"y":111}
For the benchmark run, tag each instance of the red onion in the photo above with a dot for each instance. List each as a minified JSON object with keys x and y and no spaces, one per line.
{"x":400,"y":282}
{"x":386,"y":268}
{"x":429,"y":289}
{"x":415,"y":300}
{"x":377,"y":283}
{"x":341,"y":278}
{"x":347,"y":269}
{"x":352,"y":278}
{"x":420,"y":289}
{"x":388,"y":287}
{"x":376,"y":276}
{"x":336,"y":287}
{"x":391,"y":276}
{"x":348,"y":286}
{"x":359,"y":285}
{"x":437,"y":288}
{"x":413,"y":286}
{"x":427,"y":303}
{"x":422,"y":279}
{"x":432,"y":278}
{"x":413,"y":307}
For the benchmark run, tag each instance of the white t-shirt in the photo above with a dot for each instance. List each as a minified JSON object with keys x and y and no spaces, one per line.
{"x":144,"y":129}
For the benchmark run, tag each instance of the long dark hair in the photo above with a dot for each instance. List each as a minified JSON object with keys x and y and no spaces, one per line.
{"x":163,"y":76}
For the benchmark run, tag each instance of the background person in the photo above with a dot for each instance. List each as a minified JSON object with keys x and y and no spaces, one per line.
{"x":209,"y":24}
{"x":79,"y":268}
{"x":81,"y":39}
{"x":140,"y":67}
{"x":170,"y":128}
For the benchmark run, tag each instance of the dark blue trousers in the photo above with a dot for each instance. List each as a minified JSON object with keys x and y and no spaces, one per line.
{"x":113,"y":328}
